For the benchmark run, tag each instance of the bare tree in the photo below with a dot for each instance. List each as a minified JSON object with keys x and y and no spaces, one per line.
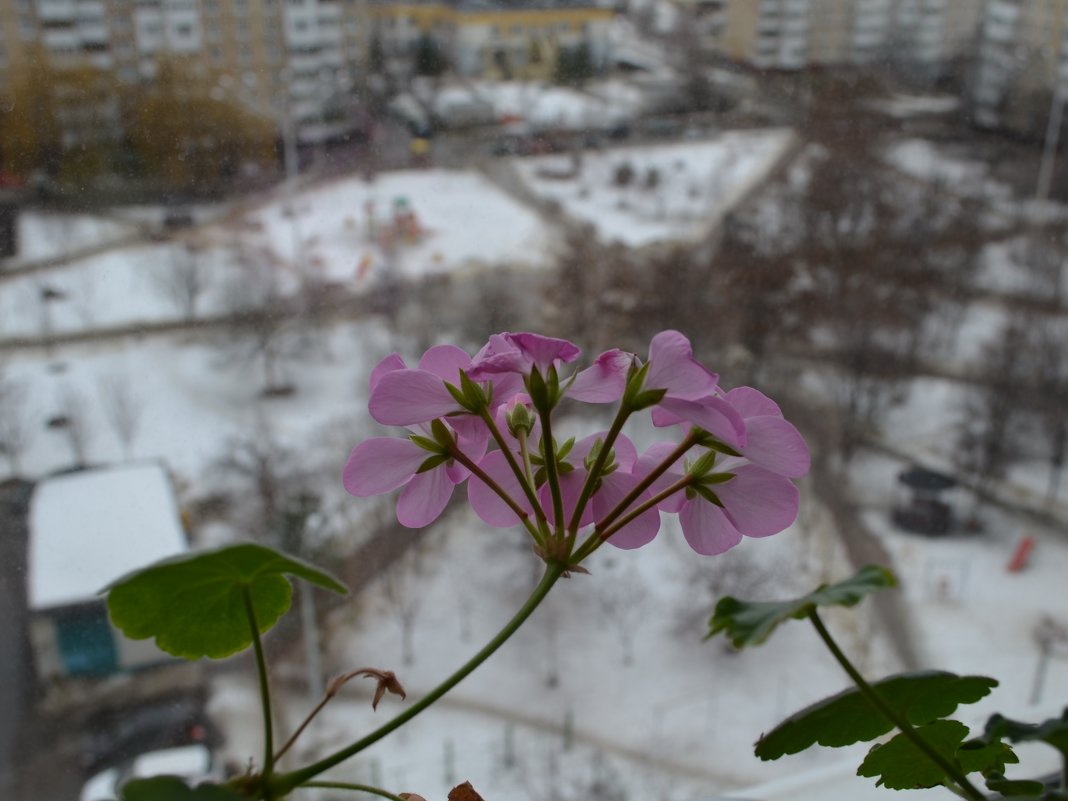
{"x":402,"y":589}
{"x":263,"y":321}
{"x":122,"y":409}
{"x":14,"y":426}
{"x":1050,"y":382}
{"x":992,"y":414}
{"x":182,"y":281}
{"x":72,"y":421}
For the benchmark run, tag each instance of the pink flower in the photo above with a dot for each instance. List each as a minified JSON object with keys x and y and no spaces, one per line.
{"x":616,"y":482}
{"x":755,"y":501}
{"x":401,"y":396}
{"x":604,"y":380}
{"x":518,"y":353}
{"x":382,"y":464}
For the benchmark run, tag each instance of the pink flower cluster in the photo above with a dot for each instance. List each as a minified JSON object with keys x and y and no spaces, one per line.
{"x":486,"y":421}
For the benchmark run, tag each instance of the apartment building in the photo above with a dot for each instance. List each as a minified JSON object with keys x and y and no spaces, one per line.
{"x":497,"y":39}
{"x":277,"y":57}
{"x":795,"y":34}
{"x":1022,"y":61}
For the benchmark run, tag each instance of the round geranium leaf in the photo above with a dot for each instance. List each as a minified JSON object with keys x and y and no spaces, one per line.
{"x":197,"y":604}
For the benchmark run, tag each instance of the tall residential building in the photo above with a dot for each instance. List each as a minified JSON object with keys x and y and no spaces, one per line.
{"x":1023,"y":58}
{"x":277,"y":57}
{"x":794,"y":34}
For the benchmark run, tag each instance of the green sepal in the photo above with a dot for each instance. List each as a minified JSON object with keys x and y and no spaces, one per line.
{"x":457,"y":395}
{"x":425,"y":443}
{"x":706,"y":440}
{"x":565,"y":449}
{"x":702,"y":465}
{"x":171,"y":788}
{"x":444,"y":438}
{"x":475,"y":398}
{"x":646,"y":399}
{"x":539,"y":391}
{"x":716,"y":478}
{"x":433,"y":461}
{"x":194,"y":604}
{"x":752,"y":622}
{"x":707,"y":494}
{"x":635,"y":381}
{"x":848,"y":717}
{"x":900,"y":765}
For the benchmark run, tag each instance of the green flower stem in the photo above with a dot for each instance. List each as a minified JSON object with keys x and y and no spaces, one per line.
{"x":891,"y":714}
{"x":595,"y":471}
{"x":283,"y":783}
{"x":524,"y":451}
{"x":265,"y":689}
{"x":521,"y":513}
{"x":357,"y":788}
{"x":528,"y":488}
{"x":552,"y":476}
{"x":594,"y":540}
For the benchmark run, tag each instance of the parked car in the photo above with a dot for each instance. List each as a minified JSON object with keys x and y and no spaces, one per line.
{"x":116,"y":736}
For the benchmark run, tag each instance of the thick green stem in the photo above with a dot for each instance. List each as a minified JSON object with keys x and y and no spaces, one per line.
{"x":552,"y":476}
{"x":265,"y":689}
{"x":358,"y":788}
{"x":891,"y":714}
{"x":595,"y":471}
{"x":284,"y":783}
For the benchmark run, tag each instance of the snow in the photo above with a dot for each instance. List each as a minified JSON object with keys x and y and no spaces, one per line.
{"x":924,"y":160}
{"x":905,"y":106}
{"x":546,"y":106}
{"x":678,"y":719}
{"x":695,"y":184}
{"x":49,"y":235}
{"x":89,"y":528}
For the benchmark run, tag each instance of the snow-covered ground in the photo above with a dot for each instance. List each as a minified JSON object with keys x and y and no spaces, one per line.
{"x":673,"y":192}
{"x":676,"y":718}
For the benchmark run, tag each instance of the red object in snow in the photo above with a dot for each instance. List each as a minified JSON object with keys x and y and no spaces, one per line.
{"x":1021,"y":555}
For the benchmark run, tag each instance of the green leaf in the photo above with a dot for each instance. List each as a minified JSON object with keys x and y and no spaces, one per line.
{"x":752,"y":622}
{"x":848,"y":717}
{"x":977,"y":756}
{"x":1053,"y":732}
{"x":900,"y":765}
{"x":1014,"y":787}
{"x":433,"y":461}
{"x":170,"y":788}
{"x":194,"y":604}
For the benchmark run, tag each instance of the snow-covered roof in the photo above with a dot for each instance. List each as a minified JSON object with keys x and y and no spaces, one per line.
{"x":90,"y":527}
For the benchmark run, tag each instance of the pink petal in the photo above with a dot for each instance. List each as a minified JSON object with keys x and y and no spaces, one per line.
{"x":713,"y":414}
{"x":653,"y":457}
{"x":775,"y":444}
{"x":759,"y":503}
{"x":381,"y":464}
{"x":506,"y":386}
{"x":673,"y":367}
{"x":446,"y":362}
{"x":486,"y":503}
{"x":424,"y":499}
{"x":604,"y":380}
{"x":661,"y":417}
{"x":707,"y":529}
{"x":570,"y":489}
{"x":544,"y":351}
{"x":406,"y":397}
{"x":498,"y":355}
{"x":752,"y":403}
{"x":639,"y":531}
{"x":387,"y":365}
{"x":625,"y":452}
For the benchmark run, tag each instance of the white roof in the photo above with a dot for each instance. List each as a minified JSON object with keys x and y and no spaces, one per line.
{"x":90,"y":527}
